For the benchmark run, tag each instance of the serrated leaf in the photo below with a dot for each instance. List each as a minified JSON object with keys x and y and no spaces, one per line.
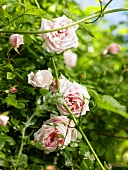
{"x":10,"y":100}
{"x":108,"y":103}
{"x":109,"y":99}
{"x":33,"y":10}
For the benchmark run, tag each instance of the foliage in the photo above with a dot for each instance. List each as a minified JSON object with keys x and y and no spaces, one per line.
{"x":105,"y":76}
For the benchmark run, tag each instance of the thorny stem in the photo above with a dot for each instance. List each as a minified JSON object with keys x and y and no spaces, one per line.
{"x":69,"y":25}
{"x":83,"y":135}
{"x":23,"y":137}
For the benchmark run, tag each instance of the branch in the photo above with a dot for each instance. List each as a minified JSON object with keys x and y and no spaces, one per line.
{"x":69,"y":25}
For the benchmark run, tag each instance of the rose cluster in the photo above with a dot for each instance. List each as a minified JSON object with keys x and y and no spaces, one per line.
{"x":57,"y":132}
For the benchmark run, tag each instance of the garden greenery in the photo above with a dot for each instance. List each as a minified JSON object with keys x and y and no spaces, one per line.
{"x":63,"y":87}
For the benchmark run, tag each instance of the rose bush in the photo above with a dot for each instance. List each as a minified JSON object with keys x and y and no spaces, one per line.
{"x":43,"y":78}
{"x":60,"y":40}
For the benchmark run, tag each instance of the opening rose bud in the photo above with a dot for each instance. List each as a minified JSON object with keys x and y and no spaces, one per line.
{"x":16,"y":40}
{"x":43,"y":79}
{"x":50,"y":167}
{"x":13,"y":90}
{"x":114,"y":48}
{"x":3,"y":120}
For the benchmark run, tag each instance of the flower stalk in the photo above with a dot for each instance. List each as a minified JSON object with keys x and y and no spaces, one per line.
{"x":83,"y":135}
{"x":27,"y":124}
{"x":56,"y":74}
{"x":69,"y":25}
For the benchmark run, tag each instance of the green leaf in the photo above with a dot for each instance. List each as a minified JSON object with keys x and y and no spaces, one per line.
{"x":100,"y":150}
{"x":44,"y":92}
{"x":110,"y":156}
{"x":109,"y":103}
{"x":1,"y":144}
{"x":39,"y":167}
{"x":2,"y":155}
{"x":83,"y":165}
{"x":10,"y":66}
{"x":10,"y":75}
{"x":4,"y":162}
{"x":19,"y":75}
{"x":10,"y":100}
{"x":89,"y":163}
{"x":33,"y":10}
{"x":23,"y":160}
{"x":7,"y":139}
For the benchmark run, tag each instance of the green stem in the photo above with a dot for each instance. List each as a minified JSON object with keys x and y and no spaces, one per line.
{"x":84,"y":136}
{"x":56,"y":74}
{"x":22,"y":141}
{"x":69,"y":25}
{"x":37,"y":4}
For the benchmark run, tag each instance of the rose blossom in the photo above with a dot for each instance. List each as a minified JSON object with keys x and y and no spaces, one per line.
{"x":66,"y":122}
{"x":52,"y":137}
{"x":76,"y":98}
{"x":60,"y":40}
{"x":16,"y":40}
{"x":114,"y":48}
{"x":70,"y":58}
{"x":43,"y":78}
{"x":3,"y":120}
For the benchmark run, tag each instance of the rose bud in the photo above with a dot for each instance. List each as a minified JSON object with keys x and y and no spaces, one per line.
{"x":60,"y":40}
{"x":13,"y":90}
{"x":16,"y":40}
{"x":3,"y":120}
{"x":43,"y":79}
{"x":50,"y":167}
{"x":70,"y":58}
{"x":114,"y":48}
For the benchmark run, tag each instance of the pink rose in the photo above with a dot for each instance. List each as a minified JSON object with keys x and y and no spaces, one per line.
{"x":51,"y":137}
{"x":70,"y":58}
{"x":76,"y":98}
{"x":60,"y":40}
{"x":66,"y":122}
{"x":13,"y":90}
{"x":16,"y":40}
{"x":3,"y":120}
{"x":114,"y":48}
{"x":43,"y":78}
